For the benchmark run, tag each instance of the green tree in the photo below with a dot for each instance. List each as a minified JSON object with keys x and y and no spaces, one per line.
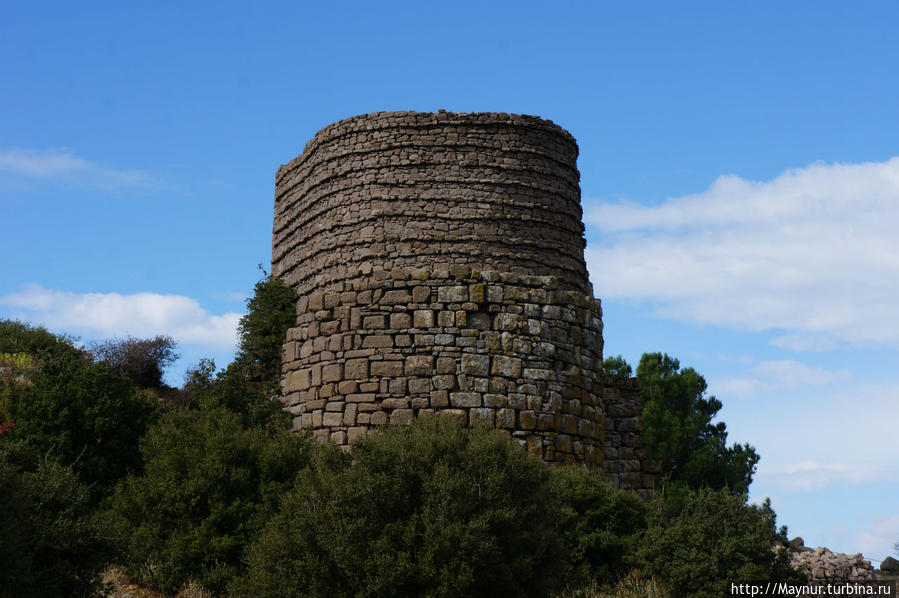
{"x":250,"y":384}
{"x":143,"y":361}
{"x":618,"y":366}
{"x":263,"y":329}
{"x":429,"y":509}
{"x":67,"y":406}
{"x":601,"y":525}
{"x":52,"y":543}
{"x":209,"y":484}
{"x":710,"y":539}
{"x":678,"y":429}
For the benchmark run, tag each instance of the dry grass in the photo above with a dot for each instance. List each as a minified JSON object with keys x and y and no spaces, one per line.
{"x":629,"y":587}
{"x":122,"y":586}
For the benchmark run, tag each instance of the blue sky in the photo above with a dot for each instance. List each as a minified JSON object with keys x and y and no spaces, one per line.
{"x":739,"y":170}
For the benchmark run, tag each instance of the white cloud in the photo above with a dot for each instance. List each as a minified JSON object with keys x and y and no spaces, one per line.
{"x":804,"y":342}
{"x":877,"y":541}
{"x":117,"y":315}
{"x":813,"y":475}
{"x":812,"y":252}
{"x":64,"y":167}
{"x":780,"y":374}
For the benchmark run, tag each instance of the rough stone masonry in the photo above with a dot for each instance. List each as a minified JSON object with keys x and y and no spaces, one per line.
{"x":438,"y":260}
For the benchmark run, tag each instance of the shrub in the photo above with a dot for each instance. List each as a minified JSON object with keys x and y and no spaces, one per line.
{"x":249,"y":385}
{"x":712,"y":538}
{"x":270,"y":312}
{"x":600,"y":524}
{"x":429,"y":509}
{"x":208,"y":486}
{"x":51,"y":542}
{"x":73,"y":409}
{"x":143,"y":361}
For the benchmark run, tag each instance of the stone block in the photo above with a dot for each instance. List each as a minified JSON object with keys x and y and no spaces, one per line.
{"x":506,"y":321}
{"x":396,"y":297}
{"x":474,"y":364}
{"x":505,"y":418}
{"x":374,"y":322}
{"x":421,"y":294}
{"x":400,"y":321}
{"x":362,"y":397}
{"x":494,"y":400}
{"x":477,"y":293}
{"x":446,"y":365}
{"x":346,"y":387}
{"x":423,"y":318}
{"x":298,"y":380}
{"x":446,"y":318}
{"x":452,"y":294}
{"x":332,"y":419}
{"x":332,"y":372}
{"x":401,"y":416}
{"x":506,"y":366}
{"x":480,"y":416}
{"x":355,"y":433}
{"x":386,"y":368}
{"x":459,"y":415}
{"x":356,"y":369}
{"x":439,"y":398}
{"x":419,"y":385}
{"x":377,"y":341}
{"x":527,"y":420}
{"x":465,"y":399}
{"x":444,"y":381}
{"x":419,"y":365}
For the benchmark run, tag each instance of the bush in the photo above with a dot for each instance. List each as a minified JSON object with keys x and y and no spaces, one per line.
{"x":270,"y":312}
{"x":71,"y":408}
{"x":600,"y":523}
{"x":51,"y":543}
{"x":250,"y":384}
{"x":143,"y":361}
{"x":208,"y":486}
{"x":429,"y":509}
{"x":711,"y":539}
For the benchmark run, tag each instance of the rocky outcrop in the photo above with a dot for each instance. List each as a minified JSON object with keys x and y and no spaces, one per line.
{"x":823,"y":565}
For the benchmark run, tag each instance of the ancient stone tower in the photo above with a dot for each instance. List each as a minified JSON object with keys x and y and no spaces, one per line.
{"x":439,"y":263}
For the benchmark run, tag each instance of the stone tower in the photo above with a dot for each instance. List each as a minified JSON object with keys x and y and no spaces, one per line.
{"x":439,"y":263}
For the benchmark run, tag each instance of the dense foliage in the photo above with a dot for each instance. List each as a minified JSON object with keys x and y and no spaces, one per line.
{"x":678,"y":428}
{"x":209,"y":484}
{"x":143,"y":361}
{"x":711,"y":538}
{"x":270,"y":312}
{"x":429,"y":509}
{"x":217,"y":492}
{"x":65,"y":405}
{"x":247,"y":386}
{"x":601,"y":525}
{"x":52,"y":542}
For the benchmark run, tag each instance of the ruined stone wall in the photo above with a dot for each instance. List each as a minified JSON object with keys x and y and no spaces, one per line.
{"x":438,"y":259}
{"x":511,"y":351}
{"x":403,"y":189}
{"x":626,"y":460}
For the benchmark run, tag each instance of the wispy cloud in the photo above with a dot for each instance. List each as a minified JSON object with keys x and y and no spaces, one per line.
{"x":117,"y":315}
{"x":812,"y":252}
{"x":814,"y":475}
{"x":63,"y":167}
{"x":779,"y":374}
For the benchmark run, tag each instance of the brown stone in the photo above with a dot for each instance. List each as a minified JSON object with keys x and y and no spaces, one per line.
{"x":419,"y":365}
{"x":386,"y":368}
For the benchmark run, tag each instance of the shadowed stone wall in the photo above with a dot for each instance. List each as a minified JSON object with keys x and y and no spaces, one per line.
{"x":438,"y":259}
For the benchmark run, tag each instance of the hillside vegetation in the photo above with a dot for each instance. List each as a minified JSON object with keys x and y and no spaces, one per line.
{"x":205,"y":487}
